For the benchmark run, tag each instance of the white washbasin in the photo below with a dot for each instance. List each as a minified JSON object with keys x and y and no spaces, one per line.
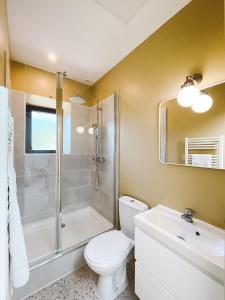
{"x":199,"y":242}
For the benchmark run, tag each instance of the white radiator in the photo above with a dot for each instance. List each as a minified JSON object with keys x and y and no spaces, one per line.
{"x":206,"y":143}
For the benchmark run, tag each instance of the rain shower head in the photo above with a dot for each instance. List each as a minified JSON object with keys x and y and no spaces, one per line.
{"x":76,"y":100}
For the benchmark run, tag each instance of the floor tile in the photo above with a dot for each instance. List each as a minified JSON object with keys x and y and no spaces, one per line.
{"x":81,"y":285}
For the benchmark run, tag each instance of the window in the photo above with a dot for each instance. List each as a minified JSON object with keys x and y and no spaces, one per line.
{"x":40,"y":129}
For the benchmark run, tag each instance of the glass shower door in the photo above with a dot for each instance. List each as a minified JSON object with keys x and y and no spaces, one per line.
{"x":35,"y":160}
{"x":87,"y":184}
{"x":76,"y":180}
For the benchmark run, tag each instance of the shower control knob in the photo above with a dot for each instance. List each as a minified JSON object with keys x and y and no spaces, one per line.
{"x":100,"y":159}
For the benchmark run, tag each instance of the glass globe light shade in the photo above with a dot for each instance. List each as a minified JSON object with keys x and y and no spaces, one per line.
{"x":80,"y":129}
{"x":187,"y":95}
{"x":91,"y":130}
{"x":202,"y":104}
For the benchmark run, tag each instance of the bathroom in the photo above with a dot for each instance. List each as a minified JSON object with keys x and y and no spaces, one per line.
{"x":116,"y":144}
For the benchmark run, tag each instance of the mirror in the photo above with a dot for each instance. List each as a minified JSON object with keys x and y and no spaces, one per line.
{"x":193,"y":139}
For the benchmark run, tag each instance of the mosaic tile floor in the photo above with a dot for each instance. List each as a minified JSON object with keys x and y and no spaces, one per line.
{"x":81,"y":285}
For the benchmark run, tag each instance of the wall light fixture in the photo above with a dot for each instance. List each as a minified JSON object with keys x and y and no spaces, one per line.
{"x":191,"y":96}
{"x":189,"y":90}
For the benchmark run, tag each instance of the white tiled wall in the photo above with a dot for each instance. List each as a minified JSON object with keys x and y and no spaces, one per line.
{"x":76,"y":168}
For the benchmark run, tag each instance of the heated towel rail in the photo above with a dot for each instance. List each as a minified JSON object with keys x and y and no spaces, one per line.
{"x":206,"y":143}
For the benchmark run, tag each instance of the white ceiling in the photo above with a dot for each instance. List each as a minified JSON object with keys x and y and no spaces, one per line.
{"x":88,"y":37}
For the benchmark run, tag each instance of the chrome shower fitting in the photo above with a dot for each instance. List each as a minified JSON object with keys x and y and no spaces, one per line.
{"x":98,"y":159}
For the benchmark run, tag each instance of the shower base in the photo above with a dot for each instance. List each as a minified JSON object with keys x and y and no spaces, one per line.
{"x":80,"y":225}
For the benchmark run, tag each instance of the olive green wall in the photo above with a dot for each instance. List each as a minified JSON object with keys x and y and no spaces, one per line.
{"x":192,"y":41}
{"x":27,"y":79}
{"x":4,"y":45}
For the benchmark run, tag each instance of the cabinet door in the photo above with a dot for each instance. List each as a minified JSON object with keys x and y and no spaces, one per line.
{"x":183,"y":280}
{"x":147,"y":288}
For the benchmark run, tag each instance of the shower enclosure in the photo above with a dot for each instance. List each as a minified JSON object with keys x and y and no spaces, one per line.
{"x":66,"y":165}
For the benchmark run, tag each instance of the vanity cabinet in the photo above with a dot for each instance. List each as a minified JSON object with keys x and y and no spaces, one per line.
{"x":162,"y":274}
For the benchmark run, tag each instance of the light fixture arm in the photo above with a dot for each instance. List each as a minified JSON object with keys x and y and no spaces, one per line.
{"x":192,"y":80}
{"x":196,"y":78}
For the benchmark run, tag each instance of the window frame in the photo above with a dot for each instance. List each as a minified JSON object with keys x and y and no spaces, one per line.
{"x":28,"y":138}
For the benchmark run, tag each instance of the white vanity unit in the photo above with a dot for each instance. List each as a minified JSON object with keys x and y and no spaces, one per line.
{"x":176,"y":259}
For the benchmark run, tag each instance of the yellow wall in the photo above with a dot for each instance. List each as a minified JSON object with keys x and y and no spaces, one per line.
{"x":183,"y":122}
{"x":25,"y":78}
{"x":192,"y":41}
{"x":4,"y":44}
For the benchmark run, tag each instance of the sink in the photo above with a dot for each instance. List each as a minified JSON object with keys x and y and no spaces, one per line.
{"x":200,"y":243}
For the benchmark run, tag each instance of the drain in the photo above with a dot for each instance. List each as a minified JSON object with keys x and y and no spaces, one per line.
{"x":63,"y":225}
{"x":180,"y":237}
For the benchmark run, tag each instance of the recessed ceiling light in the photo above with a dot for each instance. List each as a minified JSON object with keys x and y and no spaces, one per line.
{"x":52,"y":57}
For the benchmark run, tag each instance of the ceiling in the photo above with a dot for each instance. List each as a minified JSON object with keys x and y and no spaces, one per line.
{"x":87,"y":37}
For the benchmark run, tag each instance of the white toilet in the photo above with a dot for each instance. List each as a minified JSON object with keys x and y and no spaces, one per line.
{"x":107,"y":254}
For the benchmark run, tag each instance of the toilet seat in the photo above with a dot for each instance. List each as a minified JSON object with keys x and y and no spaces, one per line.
{"x":108,"y":248}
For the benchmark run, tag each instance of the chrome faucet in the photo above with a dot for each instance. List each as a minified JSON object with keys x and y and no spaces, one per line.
{"x":188,"y":215}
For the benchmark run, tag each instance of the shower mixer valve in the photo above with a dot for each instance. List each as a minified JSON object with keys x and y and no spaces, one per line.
{"x":99,"y":159}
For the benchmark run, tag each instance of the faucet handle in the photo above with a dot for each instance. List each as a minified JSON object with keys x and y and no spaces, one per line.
{"x":189,"y":212}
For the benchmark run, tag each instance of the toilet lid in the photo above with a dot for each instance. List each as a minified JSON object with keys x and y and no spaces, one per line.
{"x":109,"y":247}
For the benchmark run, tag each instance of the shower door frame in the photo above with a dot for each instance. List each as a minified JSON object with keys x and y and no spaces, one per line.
{"x":116,"y":158}
{"x":58,"y":251}
{"x":59,"y":152}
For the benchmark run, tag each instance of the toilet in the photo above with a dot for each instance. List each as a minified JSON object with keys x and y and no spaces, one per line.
{"x":108,"y":253}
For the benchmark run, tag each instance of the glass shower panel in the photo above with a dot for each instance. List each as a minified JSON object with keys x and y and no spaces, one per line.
{"x":35,"y":161}
{"x":75,"y":183}
{"x":88,"y":185}
{"x":102,"y":175}
{"x":87,"y":172}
